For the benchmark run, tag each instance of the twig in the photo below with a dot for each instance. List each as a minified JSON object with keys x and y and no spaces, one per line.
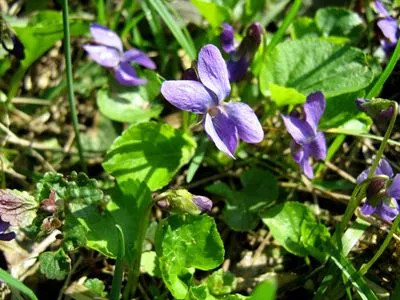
{"x":319,"y":192}
{"x":68,"y":279}
{"x":341,"y":172}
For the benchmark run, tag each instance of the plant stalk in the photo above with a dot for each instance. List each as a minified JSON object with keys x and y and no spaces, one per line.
{"x":70,"y":84}
{"x":365,"y":267}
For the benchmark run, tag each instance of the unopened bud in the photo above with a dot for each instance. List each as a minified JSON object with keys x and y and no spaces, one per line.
{"x":181,"y":201}
{"x":379,"y":109}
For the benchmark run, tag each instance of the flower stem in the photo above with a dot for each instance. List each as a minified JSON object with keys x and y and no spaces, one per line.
{"x":365,"y":267}
{"x":285,"y":24}
{"x":185,"y":121}
{"x":359,"y":190}
{"x":375,"y":90}
{"x":385,"y":140}
{"x":70,"y":85}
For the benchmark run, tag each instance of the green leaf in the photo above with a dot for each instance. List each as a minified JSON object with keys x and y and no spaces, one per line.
{"x":199,"y":292}
{"x":148,"y":264}
{"x":149,"y":152}
{"x":221,"y":283}
{"x":96,"y":286}
{"x":129,"y":208}
{"x":309,"y":65}
{"x":42,"y":31}
{"x":75,"y":234}
{"x":55,"y":265}
{"x":18,"y":285}
{"x":351,"y":273}
{"x":131,"y":104}
{"x":285,"y":96}
{"x":339,"y":22}
{"x":182,"y":37}
{"x":254,"y":6}
{"x":212,"y":11}
{"x":293,"y":225}
{"x":242,"y":208}
{"x":304,"y":27}
{"x":183,"y":243}
{"x":264,"y":291}
{"x":17,"y":208}
{"x":100,"y":136}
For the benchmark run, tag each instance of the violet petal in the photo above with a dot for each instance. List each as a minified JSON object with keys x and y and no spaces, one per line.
{"x":237,"y":68}
{"x":381,"y":9}
{"x":297,"y":151}
{"x":389,"y":28}
{"x":223,"y":133}
{"x":300,"y":130}
{"x":202,"y":203}
{"x":104,"y":36}
{"x":126,"y":75}
{"x":227,"y":38}
{"x":386,"y":212}
{"x":246,"y":122}
{"x":314,"y":108}
{"x":139,"y":57}
{"x":188,"y":95}
{"x":367,"y":209}
{"x":305,"y":165}
{"x":103,"y":55}
{"x":213,"y":72}
{"x":4,"y":225}
{"x":384,"y":168}
{"x":394,"y":189}
{"x":7,"y":236}
{"x":317,"y":146}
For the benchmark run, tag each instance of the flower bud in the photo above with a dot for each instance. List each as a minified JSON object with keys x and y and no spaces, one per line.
{"x":376,"y":190}
{"x":240,"y":59}
{"x":380,"y":110}
{"x":181,"y":201}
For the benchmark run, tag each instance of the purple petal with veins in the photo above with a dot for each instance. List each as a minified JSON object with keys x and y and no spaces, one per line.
{"x":188,"y":95}
{"x":105,"y":36}
{"x":126,"y":75}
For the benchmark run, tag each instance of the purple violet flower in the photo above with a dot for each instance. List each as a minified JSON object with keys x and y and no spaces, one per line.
{"x":307,"y":141}
{"x":224,"y":122}
{"x":389,"y":28}
{"x":6,"y":236}
{"x":382,"y":195}
{"x":240,"y":57}
{"x":108,"y":52}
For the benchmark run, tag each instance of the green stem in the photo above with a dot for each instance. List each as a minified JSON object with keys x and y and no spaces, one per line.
{"x":70,"y":84}
{"x":101,"y":15}
{"x":285,"y":24}
{"x":185,"y":121}
{"x":359,"y":191}
{"x":375,"y":90}
{"x":134,"y":272}
{"x":15,"y":83}
{"x":119,"y":266}
{"x":385,"y":139}
{"x":354,"y":202}
{"x":364,"y":269}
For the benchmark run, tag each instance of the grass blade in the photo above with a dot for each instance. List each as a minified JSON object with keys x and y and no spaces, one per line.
{"x":14,"y":283}
{"x":184,"y":40}
{"x":351,"y":273}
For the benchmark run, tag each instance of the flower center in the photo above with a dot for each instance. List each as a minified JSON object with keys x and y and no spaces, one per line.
{"x":213,"y":111}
